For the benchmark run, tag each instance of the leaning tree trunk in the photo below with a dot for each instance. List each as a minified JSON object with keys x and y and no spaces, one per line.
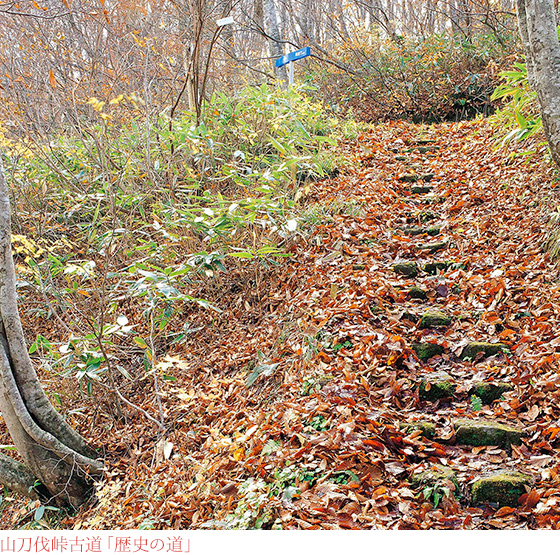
{"x":537,"y":27}
{"x":58,"y":465}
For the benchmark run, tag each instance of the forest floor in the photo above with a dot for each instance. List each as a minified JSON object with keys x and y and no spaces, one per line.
{"x":400,"y":370}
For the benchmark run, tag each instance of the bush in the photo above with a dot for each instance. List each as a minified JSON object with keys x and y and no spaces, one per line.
{"x":431,"y":79}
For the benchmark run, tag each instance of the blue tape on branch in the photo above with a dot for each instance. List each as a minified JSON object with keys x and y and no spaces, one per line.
{"x":293,"y":56}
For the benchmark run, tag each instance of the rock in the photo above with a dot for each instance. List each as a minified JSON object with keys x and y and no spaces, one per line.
{"x":486,"y":432}
{"x":432,"y":268}
{"x":489,"y":391}
{"x":427,"y":216}
{"x":426,"y":177}
{"x":425,"y":351}
{"x":400,"y":158}
{"x":407,"y":269}
{"x":413,"y":231}
{"x":433,"y":247}
{"x":502,"y":488}
{"x":489,"y":349}
{"x":409,"y":178}
{"x":424,"y":141}
{"x":358,"y":267}
{"x":417,"y":293}
{"x":428,"y":428}
{"x":426,"y":149}
{"x":437,"y":475}
{"x":410,"y":316}
{"x":439,"y":385}
{"x":420,"y":190}
{"x":434,"y":319}
{"x":434,"y":230}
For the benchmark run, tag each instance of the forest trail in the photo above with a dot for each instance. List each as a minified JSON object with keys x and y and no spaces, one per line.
{"x":411,"y":369}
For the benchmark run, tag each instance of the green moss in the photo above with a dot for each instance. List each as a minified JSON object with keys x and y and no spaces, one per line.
{"x":489,"y":391}
{"x":413,"y":231}
{"x":417,"y":293}
{"x":434,"y":319}
{"x":504,"y":488}
{"x":488,"y":349}
{"x":409,"y":178}
{"x":437,"y":386}
{"x":407,"y":269}
{"x":434,"y":230}
{"x":486,"y":432}
{"x":428,"y":429}
{"x":425,"y":351}
{"x":437,"y":475}
{"x":426,"y":216}
{"x":432,"y":268}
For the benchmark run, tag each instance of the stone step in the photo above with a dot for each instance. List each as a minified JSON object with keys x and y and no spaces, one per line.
{"x":414,"y":177}
{"x":435,"y":475}
{"x":425,"y":351}
{"x":433,"y":247}
{"x":438,"y":385}
{"x":433,"y":268}
{"x":479,"y":432}
{"x":503,"y":488}
{"x":489,"y":392}
{"x":417,"y":293}
{"x":434,"y":319}
{"x":407,"y":269}
{"x":414,"y":231}
{"x":420,"y":189}
{"x":471,"y":350}
{"x":427,"y":428}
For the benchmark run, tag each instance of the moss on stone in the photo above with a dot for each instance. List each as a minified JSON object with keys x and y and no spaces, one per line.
{"x":425,"y":351}
{"x":437,"y":386}
{"x":417,"y":293}
{"x":437,"y":475}
{"x":432,"y":268}
{"x":407,"y":269}
{"x":489,"y":391}
{"x":410,"y":316}
{"x":486,"y":432}
{"x":409,"y":178}
{"x":413,"y":231}
{"x":420,"y":189}
{"x":426,"y":216}
{"x":503,"y":488}
{"x":434,"y":230}
{"x":434,"y":319}
{"x":433,"y":247}
{"x":488,"y":349}
{"x":428,"y":429}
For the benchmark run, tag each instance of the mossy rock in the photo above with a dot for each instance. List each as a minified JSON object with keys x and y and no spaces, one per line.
{"x":425,"y":141}
{"x":410,"y":316}
{"x":432,"y":268}
{"x":433,"y":231}
{"x":433,"y":247}
{"x":427,"y":177}
{"x":413,"y":231}
{"x":489,"y":349}
{"x":437,"y":475}
{"x":409,"y":178}
{"x":417,"y":293}
{"x":437,"y":386}
{"x":489,"y":391}
{"x":426,"y":149}
{"x":486,"y":432}
{"x":401,"y":158}
{"x":434,"y":319}
{"x":425,"y":351}
{"x":502,"y":488}
{"x":428,"y":429}
{"x":426,"y":216}
{"x":358,"y":266}
{"x":420,"y":190}
{"x":407,"y":269}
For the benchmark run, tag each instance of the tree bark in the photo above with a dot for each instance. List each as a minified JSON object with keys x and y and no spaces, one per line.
{"x":58,"y":465}
{"x":274,"y":38}
{"x":537,"y":26}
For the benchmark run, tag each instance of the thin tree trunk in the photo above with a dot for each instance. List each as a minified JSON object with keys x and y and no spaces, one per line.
{"x":537,"y":25}
{"x":273,"y":34}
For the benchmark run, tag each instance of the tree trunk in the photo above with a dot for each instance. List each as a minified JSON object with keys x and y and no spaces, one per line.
{"x":537,"y":26}
{"x":58,"y":465}
{"x":273,"y":34}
